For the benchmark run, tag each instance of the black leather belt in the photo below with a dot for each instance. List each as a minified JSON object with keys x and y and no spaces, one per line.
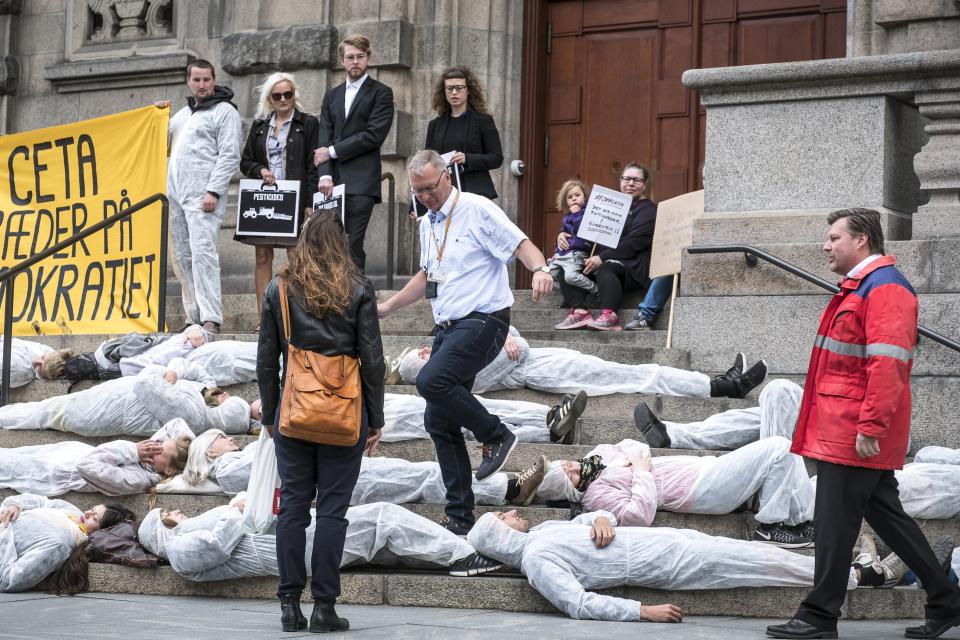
{"x":502,"y":314}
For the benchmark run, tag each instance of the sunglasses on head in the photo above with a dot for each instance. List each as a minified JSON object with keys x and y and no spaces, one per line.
{"x":286,"y":95}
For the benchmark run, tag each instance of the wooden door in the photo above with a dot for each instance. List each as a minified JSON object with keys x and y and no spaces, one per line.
{"x":601,"y":85}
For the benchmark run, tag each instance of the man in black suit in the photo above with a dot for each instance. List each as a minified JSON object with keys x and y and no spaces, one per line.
{"x":355,"y":119}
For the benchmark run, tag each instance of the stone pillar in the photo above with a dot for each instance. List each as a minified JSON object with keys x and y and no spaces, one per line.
{"x":938,"y":166}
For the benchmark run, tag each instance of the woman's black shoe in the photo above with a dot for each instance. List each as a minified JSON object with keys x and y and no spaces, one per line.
{"x":291,"y":618}
{"x":325,"y":619}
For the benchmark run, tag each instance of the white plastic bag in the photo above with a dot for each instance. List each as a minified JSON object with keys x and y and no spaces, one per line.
{"x":263,"y":489}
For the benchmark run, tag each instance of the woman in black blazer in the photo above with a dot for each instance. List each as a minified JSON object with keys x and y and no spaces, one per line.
{"x":279,"y":147}
{"x":465,"y":126}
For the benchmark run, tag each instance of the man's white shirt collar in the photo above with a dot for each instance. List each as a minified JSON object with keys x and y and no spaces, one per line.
{"x":863,"y":265}
{"x":439,"y":216}
{"x":356,"y":85}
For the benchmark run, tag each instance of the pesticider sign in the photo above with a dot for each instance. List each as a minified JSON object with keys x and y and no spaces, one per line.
{"x":56,"y":182}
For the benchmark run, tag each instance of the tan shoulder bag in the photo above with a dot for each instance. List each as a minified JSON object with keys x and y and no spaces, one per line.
{"x":322,"y":398}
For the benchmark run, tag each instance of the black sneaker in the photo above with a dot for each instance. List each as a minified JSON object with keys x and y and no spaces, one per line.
{"x":782,"y":536}
{"x":750,"y":379}
{"x":474,"y":565}
{"x":739,"y":362}
{"x":653,"y":430}
{"x":563,"y":417}
{"x":807,"y":530}
{"x":495,"y":456}
{"x":456,"y":527}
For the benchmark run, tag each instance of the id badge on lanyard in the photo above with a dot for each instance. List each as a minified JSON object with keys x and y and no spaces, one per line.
{"x":436,"y":276}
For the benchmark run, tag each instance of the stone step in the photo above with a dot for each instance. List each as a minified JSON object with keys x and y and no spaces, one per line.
{"x":781,"y":329}
{"x":931,"y":266}
{"x":505,"y":593}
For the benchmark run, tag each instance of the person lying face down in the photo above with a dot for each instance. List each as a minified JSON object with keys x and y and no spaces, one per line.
{"x":627,"y":481}
{"x":113,"y":468}
{"x":566,"y":560}
{"x":136,"y":405}
{"x":558,"y":370}
{"x":43,"y":542}
{"x":214,"y":546}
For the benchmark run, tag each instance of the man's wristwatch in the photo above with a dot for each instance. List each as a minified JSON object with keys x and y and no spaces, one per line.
{"x":544,"y":269}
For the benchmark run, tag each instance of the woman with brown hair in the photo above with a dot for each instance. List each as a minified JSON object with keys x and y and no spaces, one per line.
{"x":43,"y":542}
{"x":332,"y":312}
{"x":464,"y":126}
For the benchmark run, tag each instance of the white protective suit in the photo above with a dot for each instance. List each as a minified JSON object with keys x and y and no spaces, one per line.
{"x":135,"y":405}
{"x":558,"y":370}
{"x":38,"y":542}
{"x":776,"y":415}
{"x":226,"y":362}
{"x":113,"y":468}
{"x":403,"y":416}
{"x":232,"y":470}
{"x":204,"y":154}
{"x":930,"y":485}
{"x":22,"y":353}
{"x":398,"y":481}
{"x":213,"y":545}
{"x":561,"y":562}
{"x":693,"y":484}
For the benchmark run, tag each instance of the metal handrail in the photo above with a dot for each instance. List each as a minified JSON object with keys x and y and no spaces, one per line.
{"x":752,"y":253}
{"x":9,"y":275}
{"x":391,"y":224}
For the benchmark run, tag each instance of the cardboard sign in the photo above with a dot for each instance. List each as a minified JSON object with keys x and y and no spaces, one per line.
{"x":674,"y":232}
{"x":265,"y":210}
{"x":61,"y":180}
{"x":604,"y":216}
{"x":337,"y":200}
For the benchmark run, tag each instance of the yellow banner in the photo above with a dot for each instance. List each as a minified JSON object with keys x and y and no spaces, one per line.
{"x":61,"y":180}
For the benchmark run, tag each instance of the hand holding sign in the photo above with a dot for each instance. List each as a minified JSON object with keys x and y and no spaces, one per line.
{"x":336,"y":200}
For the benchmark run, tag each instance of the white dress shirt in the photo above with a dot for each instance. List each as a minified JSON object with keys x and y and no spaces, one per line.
{"x":349,"y":95}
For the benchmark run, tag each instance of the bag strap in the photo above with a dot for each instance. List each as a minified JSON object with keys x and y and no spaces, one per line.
{"x":284,"y":309}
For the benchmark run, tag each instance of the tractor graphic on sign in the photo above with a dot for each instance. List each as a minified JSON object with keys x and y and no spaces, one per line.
{"x":266,"y":212}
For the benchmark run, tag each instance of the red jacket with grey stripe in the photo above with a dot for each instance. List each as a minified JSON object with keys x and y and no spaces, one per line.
{"x":859,"y":375}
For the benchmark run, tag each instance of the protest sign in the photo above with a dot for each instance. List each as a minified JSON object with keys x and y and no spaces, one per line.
{"x":604,"y":215}
{"x":265,"y":210}
{"x":337,"y":200}
{"x":61,"y":180}
{"x":674,"y":232}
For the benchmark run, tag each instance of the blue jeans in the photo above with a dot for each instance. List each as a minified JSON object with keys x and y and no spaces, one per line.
{"x":656,"y":297}
{"x":460,"y":351}
{"x":329,"y":473}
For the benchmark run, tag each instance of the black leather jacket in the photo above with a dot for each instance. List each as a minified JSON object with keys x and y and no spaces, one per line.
{"x":355,"y":332}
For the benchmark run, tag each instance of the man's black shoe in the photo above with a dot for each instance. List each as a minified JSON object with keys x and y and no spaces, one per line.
{"x":797,"y":629}
{"x":325,"y":619}
{"x":563,"y":417}
{"x":291,"y":618}
{"x":474,"y":565}
{"x":750,"y":379}
{"x":495,"y":456}
{"x":932,"y":628}
{"x":456,"y":527}
{"x":653,"y":430}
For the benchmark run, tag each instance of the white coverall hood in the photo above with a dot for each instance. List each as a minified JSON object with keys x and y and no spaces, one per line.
{"x":233,"y":416}
{"x":493,"y":538}
{"x":410,"y":365}
{"x":557,"y":486}
{"x":154,"y":535}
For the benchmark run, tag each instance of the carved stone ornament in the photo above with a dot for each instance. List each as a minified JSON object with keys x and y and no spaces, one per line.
{"x":127,"y":20}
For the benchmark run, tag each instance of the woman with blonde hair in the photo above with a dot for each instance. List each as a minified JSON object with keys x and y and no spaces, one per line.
{"x":333,"y":312}
{"x":279,"y":147}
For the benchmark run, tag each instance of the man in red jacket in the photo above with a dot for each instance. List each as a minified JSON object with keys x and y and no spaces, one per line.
{"x":855,"y":421}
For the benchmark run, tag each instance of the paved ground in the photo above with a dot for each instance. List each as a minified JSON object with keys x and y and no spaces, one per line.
{"x":130,"y":617}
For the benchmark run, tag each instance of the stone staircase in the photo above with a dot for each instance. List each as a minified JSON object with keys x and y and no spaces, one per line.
{"x":606,"y":419}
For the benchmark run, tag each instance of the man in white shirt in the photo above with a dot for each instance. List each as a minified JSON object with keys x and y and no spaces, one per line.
{"x":355,"y":119}
{"x":466,"y":242}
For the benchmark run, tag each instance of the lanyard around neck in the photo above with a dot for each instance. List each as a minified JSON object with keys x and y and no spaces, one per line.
{"x":446,"y":228}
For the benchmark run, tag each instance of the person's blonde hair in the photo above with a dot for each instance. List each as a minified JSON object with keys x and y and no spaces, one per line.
{"x":198,"y":465}
{"x":321,"y":266}
{"x":52,"y":363}
{"x":357,"y":40}
{"x":566,"y":188}
{"x":179,"y":459}
{"x":264,"y":110}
